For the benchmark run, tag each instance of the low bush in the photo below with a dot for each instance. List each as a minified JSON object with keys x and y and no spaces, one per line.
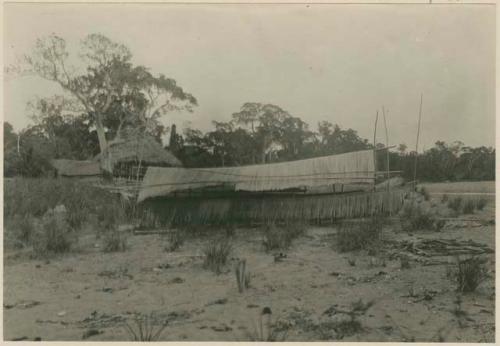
{"x":52,"y":236}
{"x":469,"y":273}
{"x":216,"y":253}
{"x":359,"y":235}
{"x":145,"y":328}
{"x":455,"y":204}
{"x":114,"y":241}
{"x":425,"y":193}
{"x":468,"y":206}
{"x":481,"y":203}
{"x":280,"y":238}
{"x":414,"y":217}
{"x":175,"y":240}
{"x":19,"y":231}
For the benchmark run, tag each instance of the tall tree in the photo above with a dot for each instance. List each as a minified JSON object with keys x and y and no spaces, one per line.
{"x":110,"y":89}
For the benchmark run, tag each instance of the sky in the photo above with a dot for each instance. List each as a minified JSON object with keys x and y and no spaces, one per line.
{"x":339,"y":63}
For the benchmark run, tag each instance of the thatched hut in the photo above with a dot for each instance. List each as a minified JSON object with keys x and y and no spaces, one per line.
{"x":319,"y":189}
{"x":132,"y":151}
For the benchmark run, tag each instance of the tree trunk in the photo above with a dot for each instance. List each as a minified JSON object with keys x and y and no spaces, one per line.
{"x":103,"y":145}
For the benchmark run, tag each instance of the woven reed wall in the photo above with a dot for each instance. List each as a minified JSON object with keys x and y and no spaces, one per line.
{"x":276,"y":209}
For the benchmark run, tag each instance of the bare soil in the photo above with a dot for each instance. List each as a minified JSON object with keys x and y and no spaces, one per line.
{"x":66,"y":297}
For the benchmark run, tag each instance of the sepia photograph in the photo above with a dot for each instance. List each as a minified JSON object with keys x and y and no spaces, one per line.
{"x":245,"y":172}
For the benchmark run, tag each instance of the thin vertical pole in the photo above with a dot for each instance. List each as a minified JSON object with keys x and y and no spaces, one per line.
{"x":388,"y":168}
{"x":375,"y":150}
{"x":416,"y":145}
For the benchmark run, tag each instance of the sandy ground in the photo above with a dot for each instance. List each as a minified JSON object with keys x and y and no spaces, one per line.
{"x":65,"y":297}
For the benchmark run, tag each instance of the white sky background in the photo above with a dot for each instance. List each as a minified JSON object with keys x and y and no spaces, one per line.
{"x":321,"y":62}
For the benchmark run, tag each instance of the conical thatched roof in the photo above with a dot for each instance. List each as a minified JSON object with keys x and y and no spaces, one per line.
{"x":132,"y":145}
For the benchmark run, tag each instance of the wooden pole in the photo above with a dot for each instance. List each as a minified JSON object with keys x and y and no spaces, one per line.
{"x":416,"y":145}
{"x":375,"y":147}
{"x":387,"y":155}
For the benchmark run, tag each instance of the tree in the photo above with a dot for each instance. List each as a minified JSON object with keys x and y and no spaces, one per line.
{"x":111,"y":91}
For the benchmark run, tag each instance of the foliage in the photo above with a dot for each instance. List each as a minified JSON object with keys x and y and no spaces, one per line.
{"x":481,"y":203}
{"x":145,"y":328}
{"x":216,"y":254}
{"x":414,"y":217}
{"x":115,"y":241}
{"x":359,"y":235}
{"x":175,"y":240}
{"x":455,"y":204}
{"x":35,"y":196}
{"x":468,"y":206}
{"x":469,"y":273}
{"x":53,"y":236}
{"x":281,"y":237}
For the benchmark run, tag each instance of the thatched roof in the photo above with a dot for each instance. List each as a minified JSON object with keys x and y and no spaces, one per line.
{"x":356,"y":167}
{"x":74,"y":168}
{"x":134,"y":146}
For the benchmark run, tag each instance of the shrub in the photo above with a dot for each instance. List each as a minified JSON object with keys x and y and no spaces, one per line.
{"x":19,"y":230}
{"x":455,"y":204}
{"x":114,"y":241}
{"x":359,"y":235}
{"x":175,"y":240}
{"x":469,"y":273}
{"x":415,"y":218}
{"x":481,"y":203}
{"x":281,"y":237}
{"x":425,"y":193}
{"x":216,"y":254}
{"x":444,"y":198}
{"x":145,"y":328}
{"x":468,"y":207}
{"x":53,"y":236}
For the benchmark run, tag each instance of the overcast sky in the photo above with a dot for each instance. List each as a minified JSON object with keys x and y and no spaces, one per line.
{"x":320,"y":62}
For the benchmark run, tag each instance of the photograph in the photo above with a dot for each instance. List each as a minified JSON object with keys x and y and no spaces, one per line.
{"x":249,"y":172}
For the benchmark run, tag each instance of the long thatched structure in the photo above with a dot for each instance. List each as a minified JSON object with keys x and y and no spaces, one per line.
{"x":321,"y":189}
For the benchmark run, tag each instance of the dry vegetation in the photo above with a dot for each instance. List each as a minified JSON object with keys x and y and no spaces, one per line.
{"x":426,"y":274}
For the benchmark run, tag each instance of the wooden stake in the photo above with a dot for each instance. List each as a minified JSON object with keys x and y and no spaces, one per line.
{"x":416,"y":145}
{"x":387,"y":155}
{"x":375,"y":147}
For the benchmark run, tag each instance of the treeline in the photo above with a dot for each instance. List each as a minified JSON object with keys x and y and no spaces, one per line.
{"x":111,"y":93}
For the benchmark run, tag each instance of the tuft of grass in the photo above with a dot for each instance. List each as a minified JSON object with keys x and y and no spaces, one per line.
{"x":455,"y":204}
{"x":53,"y":236}
{"x":19,"y":230}
{"x":115,"y":241}
{"x":280,"y":237}
{"x":468,"y":274}
{"x":175,"y":240}
{"x":242,"y":276}
{"x":145,"y":328}
{"x":267,"y":331}
{"x":425,"y":193}
{"x":444,"y":198}
{"x":359,"y":235}
{"x":405,"y":262}
{"x":468,"y":206}
{"x":416,"y":218}
{"x":481,"y":203}
{"x":216,"y":253}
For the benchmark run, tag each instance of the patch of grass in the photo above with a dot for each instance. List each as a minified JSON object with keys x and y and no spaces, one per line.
{"x":425,"y":193}
{"x":145,"y":328}
{"x":455,"y":204}
{"x":444,"y":198}
{"x":114,"y":241}
{"x":267,"y":331}
{"x":469,"y":273}
{"x":359,"y":235}
{"x":175,"y":240}
{"x":468,"y":206}
{"x":19,"y":230}
{"x":53,"y":236}
{"x":280,"y":238}
{"x":216,"y":253}
{"x":415,"y":218}
{"x":242,"y":276}
{"x":481,"y":203}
